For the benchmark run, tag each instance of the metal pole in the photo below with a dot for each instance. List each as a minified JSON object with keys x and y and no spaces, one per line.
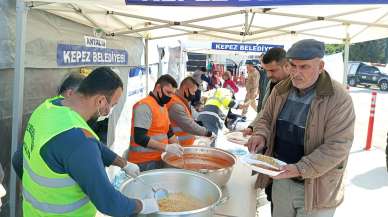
{"x":346,"y":61}
{"x":143,"y":29}
{"x":146,"y":64}
{"x":18,"y":89}
{"x":246,"y":22}
{"x":211,"y":29}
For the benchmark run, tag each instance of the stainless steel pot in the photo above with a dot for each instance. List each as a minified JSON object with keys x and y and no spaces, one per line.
{"x":177,"y":181}
{"x":220,"y":173}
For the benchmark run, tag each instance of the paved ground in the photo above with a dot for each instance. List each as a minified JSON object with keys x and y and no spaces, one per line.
{"x":362,"y":100}
{"x":367,"y":177}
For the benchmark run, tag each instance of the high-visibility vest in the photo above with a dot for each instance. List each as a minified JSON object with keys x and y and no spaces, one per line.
{"x":45,"y":192}
{"x":221,"y":98}
{"x":158,"y":131}
{"x":184,"y":138}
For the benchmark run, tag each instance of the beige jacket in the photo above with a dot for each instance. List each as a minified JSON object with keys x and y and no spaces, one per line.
{"x":252,"y":85}
{"x":328,"y":139}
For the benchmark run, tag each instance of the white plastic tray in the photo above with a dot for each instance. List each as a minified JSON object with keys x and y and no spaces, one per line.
{"x":251,"y":159}
{"x":237,"y":137}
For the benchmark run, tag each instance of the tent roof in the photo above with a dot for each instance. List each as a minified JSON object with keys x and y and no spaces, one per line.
{"x":329,"y":23}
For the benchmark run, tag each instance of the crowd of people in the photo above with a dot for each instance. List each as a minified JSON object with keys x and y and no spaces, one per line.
{"x":304,"y":118}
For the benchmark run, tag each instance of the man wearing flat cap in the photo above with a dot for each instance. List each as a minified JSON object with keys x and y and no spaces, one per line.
{"x":307,"y":122}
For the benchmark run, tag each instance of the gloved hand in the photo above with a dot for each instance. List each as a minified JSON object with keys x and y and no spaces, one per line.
{"x":174,"y":149}
{"x":150,"y":205}
{"x":131,"y":169}
{"x":213,"y":136}
{"x":2,"y":193}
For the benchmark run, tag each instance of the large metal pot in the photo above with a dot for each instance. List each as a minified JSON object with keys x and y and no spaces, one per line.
{"x":176,"y":181}
{"x":214,"y":163}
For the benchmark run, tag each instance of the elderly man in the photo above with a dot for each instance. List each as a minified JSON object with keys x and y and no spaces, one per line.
{"x":307,"y":122}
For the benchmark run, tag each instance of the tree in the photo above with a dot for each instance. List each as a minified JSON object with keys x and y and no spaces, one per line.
{"x":375,"y":51}
{"x":334,"y":48}
{"x":369,"y":51}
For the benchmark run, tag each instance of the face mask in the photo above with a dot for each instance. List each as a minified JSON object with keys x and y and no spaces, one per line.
{"x":164,"y":99}
{"x":103,"y":117}
{"x":189,"y":96}
{"x":2,"y":193}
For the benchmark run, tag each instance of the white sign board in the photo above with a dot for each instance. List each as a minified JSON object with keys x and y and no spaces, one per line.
{"x":95,"y":42}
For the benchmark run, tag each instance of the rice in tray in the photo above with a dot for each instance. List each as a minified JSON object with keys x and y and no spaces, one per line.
{"x":179,"y":202}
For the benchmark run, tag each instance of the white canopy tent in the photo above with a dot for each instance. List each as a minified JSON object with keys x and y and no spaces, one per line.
{"x":266,"y":24}
{"x":271,"y":24}
{"x":330,"y":23}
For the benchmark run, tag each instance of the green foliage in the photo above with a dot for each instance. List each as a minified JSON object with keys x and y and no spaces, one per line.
{"x":369,"y":51}
{"x":375,"y":51}
{"x":333,"y":48}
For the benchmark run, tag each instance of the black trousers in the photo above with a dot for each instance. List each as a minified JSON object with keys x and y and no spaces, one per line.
{"x":268,"y":192}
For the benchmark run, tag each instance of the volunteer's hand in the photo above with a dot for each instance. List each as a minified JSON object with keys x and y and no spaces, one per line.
{"x":131,"y":169}
{"x":150,"y":205}
{"x":247,"y":131}
{"x":174,"y":149}
{"x":256,"y":144}
{"x":290,"y":171}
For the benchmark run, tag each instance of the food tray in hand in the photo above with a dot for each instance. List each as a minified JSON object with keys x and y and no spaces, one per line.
{"x":264,"y":164}
{"x":237,"y":137}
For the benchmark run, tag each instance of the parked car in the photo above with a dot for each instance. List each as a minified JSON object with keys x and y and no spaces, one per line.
{"x":360,"y":73}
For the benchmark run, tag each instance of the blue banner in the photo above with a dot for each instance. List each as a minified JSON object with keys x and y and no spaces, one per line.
{"x":136,"y":72}
{"x":243,"y":47}
{"x":135,"y":84}
{"x":77,"y":55}
{"x":244,"y":3}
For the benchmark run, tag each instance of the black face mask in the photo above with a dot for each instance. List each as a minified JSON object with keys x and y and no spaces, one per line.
{"x":164,"y":99}
{"x":189,"y":96}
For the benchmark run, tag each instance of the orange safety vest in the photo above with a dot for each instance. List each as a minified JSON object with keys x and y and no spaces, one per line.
{"x":184,"y":138}
{"x":158,"y":131}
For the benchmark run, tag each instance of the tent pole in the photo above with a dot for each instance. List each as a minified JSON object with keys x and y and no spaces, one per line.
{"x":18,"y":89}
{"x":143,"y":29}
{"x":211,"y":29}
{"x":146,"y":64}
{"x":346,"y":61}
